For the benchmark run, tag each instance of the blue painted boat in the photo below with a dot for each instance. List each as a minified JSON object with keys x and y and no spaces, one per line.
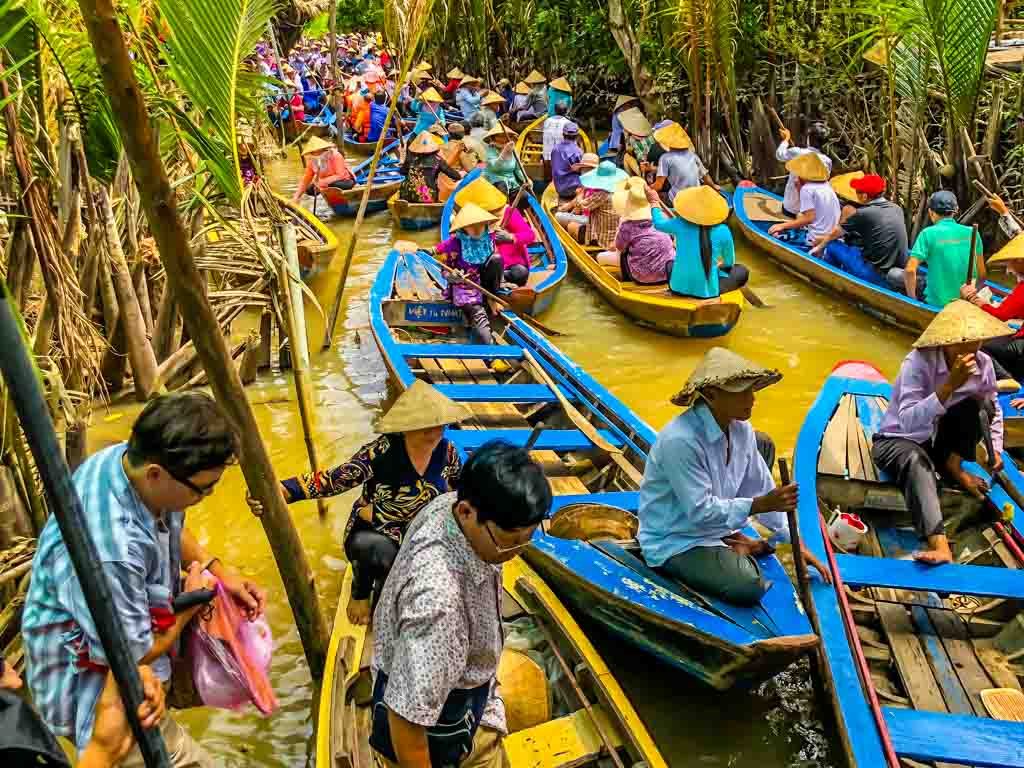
{"x":586,"y":552}
{"x":549,"y":262}
{"x":757,"y":209}
{"x":935,"y":638}
{"x":386,"y":182}
{"x":361,"y":148}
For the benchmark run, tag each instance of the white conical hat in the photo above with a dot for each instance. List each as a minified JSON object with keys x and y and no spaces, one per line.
{"x":421,"y":406}
{"x":960,"y":322}
{"x":726,"y":370}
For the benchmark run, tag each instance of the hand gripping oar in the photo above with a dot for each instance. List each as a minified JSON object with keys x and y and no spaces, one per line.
{"x":499,"y":301}
{"x":1000,"y":477}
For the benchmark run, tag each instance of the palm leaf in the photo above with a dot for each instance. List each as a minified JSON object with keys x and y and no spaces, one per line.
{"x":208,"y":42}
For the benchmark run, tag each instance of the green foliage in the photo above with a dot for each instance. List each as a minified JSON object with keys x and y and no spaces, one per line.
{"x":318,"y":27}
{"x":360,"y":16}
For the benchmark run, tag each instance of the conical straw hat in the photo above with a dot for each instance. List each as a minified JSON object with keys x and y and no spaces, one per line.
{"x":431,"y":95}
{"x":498,"y":130}
{"x":316,"y":144}
{"x":960,"y":322}
{"x":492,"y":98}
{"x":471,"y":213}
{"x":456,"y":74}
{"x":622,"y":101}
{"x":470,"y":80}
{"x":482,"y":193}
{"x":630,"y":200}
{"x":1012,"y":250}
{"x":841,"y":185}
{"x":561,"y":84}
{"x":521,"y":88}
{"x":725,"y":370}
{"x":524,"y":689}
{"x":425,"y":144}
{"x":701,"y":205}
{"x":420,"y":407}
{"x":635,"y":121}
{"x":673,"y":136}
{"x":424,"y":65}
{"x":808,"y":167}
{"x":535,"y":78}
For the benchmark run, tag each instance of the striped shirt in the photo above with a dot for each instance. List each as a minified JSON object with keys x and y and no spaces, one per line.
{"x":136,"y":551}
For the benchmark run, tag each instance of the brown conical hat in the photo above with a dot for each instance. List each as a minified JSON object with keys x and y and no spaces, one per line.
{"x":491,"y":98}
{"x":535,"y":78}
{"x":960,"y":322}
{"x":421,"y":406}
{"x":561,"y":84}
{"x":1012,"y":250}
{"x":470,"y":214}
{"x":635,"y":122}
{"x":316,"y":144}
{"x":672,"y":136}
{"x":521,"y":88}
{"x":808,"y":167}
{"x":621,"y":101}
{"x":841,"y":185}
{"x":498,"y":130}
{"x":524,"y":689}
{"x":726,"y":370}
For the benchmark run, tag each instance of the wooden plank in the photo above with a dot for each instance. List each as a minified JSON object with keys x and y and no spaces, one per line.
{"x":550,"y":439}
{"x":956,"y":738}
{"x":832,"y":458}
{"x":911,"y":661}
{"x":980,"y":580}
{"x":566,"y":742}
{"x":953,"y":693}
{"x":969,"y":669}
{"x":499,"y":393}
{"x":854,"y":461}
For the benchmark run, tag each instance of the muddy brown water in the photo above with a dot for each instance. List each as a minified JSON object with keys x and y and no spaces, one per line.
{"x":804,"y":334}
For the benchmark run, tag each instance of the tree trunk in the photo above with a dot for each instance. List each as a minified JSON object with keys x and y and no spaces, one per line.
{"x":114,"y":362}
{"x":108,"y":297}
{"x":625,"y":37}
{"x":140,"y":353}
{"x":141,"y":286}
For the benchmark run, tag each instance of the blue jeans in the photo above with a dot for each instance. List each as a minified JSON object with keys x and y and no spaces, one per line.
{"x":850,"y":258}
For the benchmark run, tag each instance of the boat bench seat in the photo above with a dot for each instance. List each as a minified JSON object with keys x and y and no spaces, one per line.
{"x":958,"y":739}
{"x":549,"y":440}
{"x":980,"y":580}
{"x":500,"y":393}
{"x":569,"y":740}
{"x":453,"y":351}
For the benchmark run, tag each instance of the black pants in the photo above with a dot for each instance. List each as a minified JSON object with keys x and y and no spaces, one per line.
{"x":1008,"y":356}
{"x":492,"y":275}
{"x":736,"y":277}
{"x":371,"y":555}
{"x":342,"y":184}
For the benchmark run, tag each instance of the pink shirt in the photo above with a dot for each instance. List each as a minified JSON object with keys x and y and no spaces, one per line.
{"x":523,"y":235}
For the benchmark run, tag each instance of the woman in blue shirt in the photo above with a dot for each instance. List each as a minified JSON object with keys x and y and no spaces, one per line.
{"x":559,"y":92}
{"x":705,"y":264}
{"x":428,"y":110}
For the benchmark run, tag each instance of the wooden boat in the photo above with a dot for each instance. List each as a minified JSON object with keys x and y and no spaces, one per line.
{"x":549,"y":266}
{"x":935,"y":638}
{"x":606,"y":581}
{"x":360,"y":148}
{"x":317,"y":244}
{"x":414,"y":216}
{"x":757,"y":209}
{"x":653,"y":306}
{"x":386,"y":182}
{"x":530,"y":146}
{"x":581,"y":738}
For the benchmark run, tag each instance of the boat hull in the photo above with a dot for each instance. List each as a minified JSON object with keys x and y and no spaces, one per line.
{"x":346,"y":202}
{"x":317,"y":246}
{"x":414,"y":216}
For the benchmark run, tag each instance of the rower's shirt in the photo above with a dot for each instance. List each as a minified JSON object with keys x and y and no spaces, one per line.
{"x":691,"y":496}
{"x":881,"y":231}
{"x":945,"y":247}
{"x":437,"y":623}
{"x":785,"y":153}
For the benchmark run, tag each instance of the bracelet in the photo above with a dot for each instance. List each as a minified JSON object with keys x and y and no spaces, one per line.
{"x":210,"y":563}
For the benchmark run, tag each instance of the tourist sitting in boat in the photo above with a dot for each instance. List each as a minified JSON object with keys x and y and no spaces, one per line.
{"x":325,"y":167}
{"x":438,"y":632}
{"x":699,"y":228}
{"x":520,"y":109}
{"x":423,"y":163}
{"x":512,"y":234}
{"x":1007,"y":354}
{"x":428,"y":109}
{"x":817,"y":135}
{"x":679,"y":167}
{"x":490,"y":105}
{"x":933,"y":421}
{"x":455,"y":76}
{"x":638,"y":138}
{"x":410,"y":465}
{"x":134,"y":496}
{"x":553,"y":135}
{"x":642,"y":254}
{"x":378,"y":116}
{"x":559,"y":92}
{"x":819,"y":205}
{"x":565,"y":162}
{"x":503,"y":168}
{"x":874,"y":236}
{"x":945,"y":247}
{"x":708,"y":474}
{"x":622,"y":103}
{"x":590,"y":217}
{"x":361,"y":116}
{"x":504,"y":89}
{"x":537,"y":103}
{"x":467,"y":97}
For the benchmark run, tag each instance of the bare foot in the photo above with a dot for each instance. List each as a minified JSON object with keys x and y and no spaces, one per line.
{"x":934,"y":557}
{"x":359,"y":612}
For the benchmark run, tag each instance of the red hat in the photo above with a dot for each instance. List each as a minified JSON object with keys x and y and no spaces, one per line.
{"x":870,"y":184}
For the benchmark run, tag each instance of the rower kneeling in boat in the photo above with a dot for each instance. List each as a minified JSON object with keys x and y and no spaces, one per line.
{"x":819,"y":205}
{"x":933,"y":422}
{"x":874,"y":245}
{"x":707,"y":475}
{"x":438,"y":633}
{"x":400,"y":472}
{"x":705,"y":263}
{"x":325,"y":167}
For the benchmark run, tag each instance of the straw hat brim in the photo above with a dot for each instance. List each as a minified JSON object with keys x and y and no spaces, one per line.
{"x":635,"y":122}
{"x":535,"y":78}
{"x":482,"y":193}
{"x":726,"y":370}
{"x":521,"y":89}
{"x":606,"y":182}
{"x":456,"y":74}
{"x":702,"y":206}
{"x":421,"y":406}
{"x":841,"y":185}
{"x":525,"y":690}
{"x":316,"y":144}
{"x":491,"y":98}
{"x":432,"y":96}
{"x":499,"y":131}
{"x":424,"y":145}
{"x":960,"y":322}
{"x":808,"y":167}
{"x":561,"y":84}
{"x":1009,"y":252}
{"x":622,"y":101}
{"x":673,"y":136}
{"x":471,"y":214}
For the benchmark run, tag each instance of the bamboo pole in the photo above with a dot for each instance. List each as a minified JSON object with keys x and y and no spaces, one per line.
{"x":290,"y":283}
{"x":161,"y":207}
{"x":339,"y":135}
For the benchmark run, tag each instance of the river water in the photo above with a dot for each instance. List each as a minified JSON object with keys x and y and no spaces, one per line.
{"x":804,"y":334}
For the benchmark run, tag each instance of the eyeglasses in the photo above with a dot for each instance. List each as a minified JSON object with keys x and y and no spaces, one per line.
{"x":500,"y":549}
{"x":201,"y":491}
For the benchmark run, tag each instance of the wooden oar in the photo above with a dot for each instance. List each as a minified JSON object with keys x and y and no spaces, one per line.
{"x":499,"y":301}
{"x":1000,"y":477}
{"x":802,"y":579}
{"x":970,"y":256}
{"x":581,"y":421}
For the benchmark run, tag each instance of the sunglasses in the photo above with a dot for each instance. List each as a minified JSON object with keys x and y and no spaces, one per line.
{"x":500,"y":549}
{"x":201,"y":491}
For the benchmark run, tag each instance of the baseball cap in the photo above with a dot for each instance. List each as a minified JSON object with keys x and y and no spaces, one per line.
{"x":943,"y":202}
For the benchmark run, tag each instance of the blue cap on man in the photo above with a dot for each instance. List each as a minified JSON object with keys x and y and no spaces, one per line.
{"x":943,"y":202}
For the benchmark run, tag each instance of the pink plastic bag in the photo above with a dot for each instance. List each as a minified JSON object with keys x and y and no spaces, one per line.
{"x":231,"y":656}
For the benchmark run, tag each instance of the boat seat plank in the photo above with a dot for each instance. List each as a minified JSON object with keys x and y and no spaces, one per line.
{"x":981,"y":580}
{"x":953,"y":693}
{"x":550,"y":439}
{"x":478,"y":351}
{"x":969,"y":670}
{"x":572,"y":740}
{"x":911,"y":662}
{"x":832,"y":458}
{"x":854,"y":460}
{"x":956,"y":738}
{"x":499,"y":393}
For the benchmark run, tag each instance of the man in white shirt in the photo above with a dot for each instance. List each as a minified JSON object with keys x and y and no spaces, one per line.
{"x":553,"y":134}
{"x":818,"y":203}
{"x":816,"y":136}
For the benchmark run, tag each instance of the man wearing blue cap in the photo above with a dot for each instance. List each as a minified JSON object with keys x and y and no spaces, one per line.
{"x":945,"y":247}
